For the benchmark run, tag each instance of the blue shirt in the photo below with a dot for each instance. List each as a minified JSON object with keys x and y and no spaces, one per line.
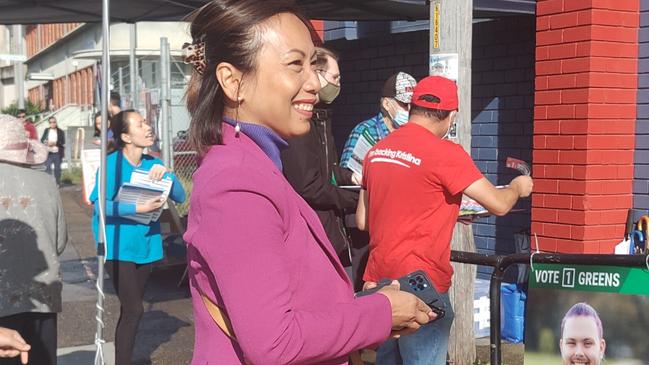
{"x":127,"y":240}
{"x":377,"y":129}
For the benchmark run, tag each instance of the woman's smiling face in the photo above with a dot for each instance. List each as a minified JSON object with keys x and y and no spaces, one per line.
{"x":281,"y":92}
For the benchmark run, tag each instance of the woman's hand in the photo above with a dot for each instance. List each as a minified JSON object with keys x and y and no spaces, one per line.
{"x":150,"y":205}
{"x":369,"y":285}
{"x":12,"y":345}
{"x":408,"y":312}
{"x":157,"y":172}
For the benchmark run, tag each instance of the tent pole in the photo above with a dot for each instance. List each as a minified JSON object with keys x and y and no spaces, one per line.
{"x":101,"y":245}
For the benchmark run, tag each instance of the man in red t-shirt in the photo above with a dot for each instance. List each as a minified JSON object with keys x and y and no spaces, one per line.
{"x":413,"y":181}
{"x":30,"y":130}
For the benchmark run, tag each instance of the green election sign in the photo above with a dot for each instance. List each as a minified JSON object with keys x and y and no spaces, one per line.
{"x":607,"y":279}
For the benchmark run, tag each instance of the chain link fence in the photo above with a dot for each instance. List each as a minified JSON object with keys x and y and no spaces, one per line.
{"x":149,"y":84}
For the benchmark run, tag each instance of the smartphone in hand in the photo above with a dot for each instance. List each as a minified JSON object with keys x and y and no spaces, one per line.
{"x":419,"y":284}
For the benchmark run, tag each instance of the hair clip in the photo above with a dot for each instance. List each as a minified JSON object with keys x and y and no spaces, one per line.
{"x":194,"y":54}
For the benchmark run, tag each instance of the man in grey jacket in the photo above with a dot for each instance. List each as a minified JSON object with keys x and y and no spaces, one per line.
{"x":33,"y":234}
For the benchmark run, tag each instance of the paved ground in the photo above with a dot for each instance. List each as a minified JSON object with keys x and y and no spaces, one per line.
{"x":165,"y":335}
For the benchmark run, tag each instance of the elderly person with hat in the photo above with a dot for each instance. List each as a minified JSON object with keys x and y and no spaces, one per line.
{"x":412,"y":187}
{"x":33,"y":234}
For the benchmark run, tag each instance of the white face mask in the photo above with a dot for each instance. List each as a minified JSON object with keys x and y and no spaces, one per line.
{"x":447,"y":135}
{"x":400,"y":117}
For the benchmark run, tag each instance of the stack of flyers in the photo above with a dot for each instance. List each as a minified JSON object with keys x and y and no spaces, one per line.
{"x":140,"y":189}
{"x":363,"y":146}
{"x":520,"y":165}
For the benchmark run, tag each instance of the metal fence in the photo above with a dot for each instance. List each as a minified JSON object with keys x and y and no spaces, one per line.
{"x":500,"y":263}
{"x":160,"y":89}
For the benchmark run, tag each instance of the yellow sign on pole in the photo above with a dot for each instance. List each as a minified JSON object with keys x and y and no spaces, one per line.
{"x":436,"y":16}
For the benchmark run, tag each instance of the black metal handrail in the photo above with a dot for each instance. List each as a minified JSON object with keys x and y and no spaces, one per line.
{"x":500,"y":263}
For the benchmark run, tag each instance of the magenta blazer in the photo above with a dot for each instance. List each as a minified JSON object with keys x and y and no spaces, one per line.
{"x":258,"y":251}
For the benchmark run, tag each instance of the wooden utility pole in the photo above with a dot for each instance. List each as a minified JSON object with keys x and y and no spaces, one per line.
{"x":451,"y":28}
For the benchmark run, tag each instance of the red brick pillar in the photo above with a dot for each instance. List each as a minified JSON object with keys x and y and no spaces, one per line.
{"x":584,"y":122}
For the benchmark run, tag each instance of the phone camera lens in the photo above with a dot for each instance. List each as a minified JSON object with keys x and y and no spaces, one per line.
{"x":420,"y":279}
{"x":420,"y":287}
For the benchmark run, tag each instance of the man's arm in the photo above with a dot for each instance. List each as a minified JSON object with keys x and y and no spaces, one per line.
{"x":343,"y":176}
{"x":301,"y":165}
{"x":499,"y":201}
{"x":361,"y":211}
{"x":350,"y":144}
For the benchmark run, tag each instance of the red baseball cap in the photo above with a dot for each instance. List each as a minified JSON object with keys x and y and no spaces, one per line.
{"x":436,"y":92}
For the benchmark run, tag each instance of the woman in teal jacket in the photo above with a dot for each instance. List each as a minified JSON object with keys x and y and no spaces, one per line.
{"x":131,"y":247}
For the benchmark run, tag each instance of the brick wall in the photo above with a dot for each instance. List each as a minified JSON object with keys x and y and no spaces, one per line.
{"x":75,"y":88}
{"x":41,"y":36}
{"x":365,"y":65}
{"x":318,"y":31}
{"x":503,"y":90}
{"x":641,"y":158}
{"x":584,"y":125}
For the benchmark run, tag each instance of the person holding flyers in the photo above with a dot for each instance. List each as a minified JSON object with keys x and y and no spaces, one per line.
{"x":394,"y":104}
{"x":413,"y":181}
{"x":582,"y":336}
{"x":131,"y":247}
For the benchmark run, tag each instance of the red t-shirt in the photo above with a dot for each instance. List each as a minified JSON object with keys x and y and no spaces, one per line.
{"x":414,"y":182}
{"x":31,"y":130}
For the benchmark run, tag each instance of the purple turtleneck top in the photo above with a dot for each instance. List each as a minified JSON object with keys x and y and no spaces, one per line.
{"x":269,"y":142}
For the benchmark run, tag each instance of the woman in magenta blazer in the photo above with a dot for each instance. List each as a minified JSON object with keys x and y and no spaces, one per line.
{"x":256,"y":250}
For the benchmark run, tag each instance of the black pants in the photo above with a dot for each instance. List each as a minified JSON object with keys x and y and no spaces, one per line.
{"x":360,"y":242}
{"x":129,"y":280}
{"x":39,"y":331}
{"x":54,"y":159}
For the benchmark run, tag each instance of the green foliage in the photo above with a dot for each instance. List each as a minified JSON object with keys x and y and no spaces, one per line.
{"x":30,"y":108}
{"x":71,"y":176}
{"x":538,"y":358}
{"x":547,"y":340}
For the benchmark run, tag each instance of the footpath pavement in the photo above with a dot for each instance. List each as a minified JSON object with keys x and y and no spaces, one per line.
{"x":166,"y":333}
